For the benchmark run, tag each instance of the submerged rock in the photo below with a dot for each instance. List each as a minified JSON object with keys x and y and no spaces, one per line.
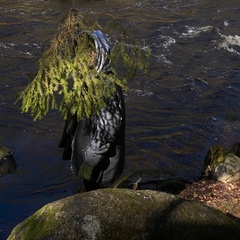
{"x":7,"y":161}
{"x":126,"y":214}
{"x":152,"y":179}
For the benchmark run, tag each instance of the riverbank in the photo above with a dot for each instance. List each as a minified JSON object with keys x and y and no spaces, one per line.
{"x":222,"y":196}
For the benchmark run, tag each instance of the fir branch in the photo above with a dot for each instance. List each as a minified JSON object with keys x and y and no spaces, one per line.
{"x":65,"y":71}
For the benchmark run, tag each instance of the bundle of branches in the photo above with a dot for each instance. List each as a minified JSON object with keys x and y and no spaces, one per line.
{"x":65,"y":70}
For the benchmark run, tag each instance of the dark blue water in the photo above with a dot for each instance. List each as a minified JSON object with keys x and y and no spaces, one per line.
{"x":188,"y":102}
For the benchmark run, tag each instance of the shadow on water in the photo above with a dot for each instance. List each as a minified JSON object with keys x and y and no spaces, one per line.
{"x":188,"y":102}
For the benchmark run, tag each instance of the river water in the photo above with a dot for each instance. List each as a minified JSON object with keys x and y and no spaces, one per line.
{"x":188,"y":102}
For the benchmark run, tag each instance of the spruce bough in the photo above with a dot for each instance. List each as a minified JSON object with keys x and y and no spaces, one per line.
{"x":66,"y":80}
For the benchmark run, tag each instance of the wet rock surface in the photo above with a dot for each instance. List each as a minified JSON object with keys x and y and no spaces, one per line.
{"x":7,"y":161}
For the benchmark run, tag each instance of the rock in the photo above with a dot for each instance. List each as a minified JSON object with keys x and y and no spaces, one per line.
{"x":229,"y":169}
{"x":7,"y":161}
{"x":126,"y":214}
{"x":152,"y":179}
{"x":222,"y":165}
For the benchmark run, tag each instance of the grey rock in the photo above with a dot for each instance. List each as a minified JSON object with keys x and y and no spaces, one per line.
{"x":222,"y":165}
{"x":229,"y":169}
{"x":126,"y":214}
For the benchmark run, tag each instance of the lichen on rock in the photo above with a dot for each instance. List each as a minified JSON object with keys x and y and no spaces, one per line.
{"x":223,"y":165}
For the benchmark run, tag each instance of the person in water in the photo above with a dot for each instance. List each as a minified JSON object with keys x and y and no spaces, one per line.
{"x":96,"y":146}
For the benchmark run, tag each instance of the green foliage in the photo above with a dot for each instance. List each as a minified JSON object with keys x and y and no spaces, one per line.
{"x":67,"y":80}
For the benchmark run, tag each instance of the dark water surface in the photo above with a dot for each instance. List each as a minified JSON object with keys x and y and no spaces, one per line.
{"x":187,"y":103}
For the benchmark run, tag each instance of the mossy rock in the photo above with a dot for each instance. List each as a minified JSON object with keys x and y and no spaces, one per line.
{"x":126,"y":214}
{"x":222,"y":165}
{"x":7,"y":161}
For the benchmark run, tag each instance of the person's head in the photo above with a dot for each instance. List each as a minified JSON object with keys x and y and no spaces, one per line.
{"x":95,"y":48}
{"x":84,"y":47}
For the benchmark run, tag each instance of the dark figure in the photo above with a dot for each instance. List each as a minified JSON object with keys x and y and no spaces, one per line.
{"x":96,"y":146}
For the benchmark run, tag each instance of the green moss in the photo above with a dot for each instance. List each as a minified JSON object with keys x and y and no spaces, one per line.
{"x":37,"y":226}
{"x":127,"y":214}
{"x":215,"y":156}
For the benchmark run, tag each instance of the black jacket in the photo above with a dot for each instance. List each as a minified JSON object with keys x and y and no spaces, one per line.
{"x":98,"y":141}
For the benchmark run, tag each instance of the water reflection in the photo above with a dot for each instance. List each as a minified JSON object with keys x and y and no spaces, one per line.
{"x":188,"y":102}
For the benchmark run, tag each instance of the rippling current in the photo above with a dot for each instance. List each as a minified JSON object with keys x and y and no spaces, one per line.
{"x":188,"y":102}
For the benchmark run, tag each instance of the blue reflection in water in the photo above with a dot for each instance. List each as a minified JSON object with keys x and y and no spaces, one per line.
{"x":188,"y":102}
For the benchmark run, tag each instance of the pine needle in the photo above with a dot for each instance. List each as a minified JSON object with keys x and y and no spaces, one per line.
{"x":64,"y":72}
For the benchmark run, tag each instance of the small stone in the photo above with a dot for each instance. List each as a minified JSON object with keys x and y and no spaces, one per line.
{"x":7,"y":161}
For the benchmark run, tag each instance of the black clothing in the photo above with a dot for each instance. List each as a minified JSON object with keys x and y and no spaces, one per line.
{"x":98,"y":142}
{"x":96,"y":146}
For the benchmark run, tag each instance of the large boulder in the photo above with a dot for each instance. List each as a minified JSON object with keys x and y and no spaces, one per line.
{"x":126,"y":214}
{"x":7,"y":161}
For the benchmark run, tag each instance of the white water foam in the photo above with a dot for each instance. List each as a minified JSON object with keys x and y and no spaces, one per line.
{"x":228,"y":42}
{"x":165,"y":43}
{"x":196,"y":31}
{"x":225,"y":42}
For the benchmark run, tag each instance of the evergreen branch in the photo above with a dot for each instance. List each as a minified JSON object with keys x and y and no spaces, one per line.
{"x":64,"y":71}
